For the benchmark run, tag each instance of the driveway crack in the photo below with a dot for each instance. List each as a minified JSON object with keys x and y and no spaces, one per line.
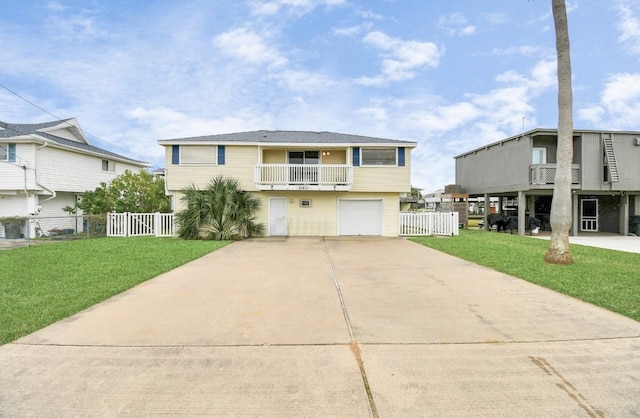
{"x":354,"y":345}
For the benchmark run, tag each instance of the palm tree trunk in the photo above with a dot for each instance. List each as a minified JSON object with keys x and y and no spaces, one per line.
{"x":559,"y":251}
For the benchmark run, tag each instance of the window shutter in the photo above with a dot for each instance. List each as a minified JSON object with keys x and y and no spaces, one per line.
{"x":356,"y":156}
{"x":401,"y":157}
{"x":175,"y":154}
{"x":11,"y":154}
{"x":221,"y":154}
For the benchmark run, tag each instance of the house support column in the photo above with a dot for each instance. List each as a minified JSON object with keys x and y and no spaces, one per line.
{"x":576,"y":214}
{"x":531,"y":206}
{"x":522,"y":205}
{"x":487,"y":210}
{"x":624,"y":214}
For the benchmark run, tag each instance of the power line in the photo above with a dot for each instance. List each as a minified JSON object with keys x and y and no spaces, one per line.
{"x":59,"y":119}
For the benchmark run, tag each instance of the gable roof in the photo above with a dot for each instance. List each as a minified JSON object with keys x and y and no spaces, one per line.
{"x":45,"y":133}
{"x":264,"y":137}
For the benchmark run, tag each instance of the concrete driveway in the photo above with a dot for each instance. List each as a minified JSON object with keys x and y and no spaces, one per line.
{"x":349,"y":327}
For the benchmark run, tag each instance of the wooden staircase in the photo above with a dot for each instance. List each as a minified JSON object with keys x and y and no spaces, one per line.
{"x":607,"y":141}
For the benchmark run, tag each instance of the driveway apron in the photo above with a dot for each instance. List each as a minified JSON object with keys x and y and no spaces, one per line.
{"x":351,"y":327}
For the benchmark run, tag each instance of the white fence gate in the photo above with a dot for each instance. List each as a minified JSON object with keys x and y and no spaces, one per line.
{"x":140,"y":224}
{"x":428,"y":223}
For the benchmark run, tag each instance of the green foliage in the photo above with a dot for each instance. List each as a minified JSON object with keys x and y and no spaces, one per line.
{"x":606,"y":278}
{"x":222,"y":211}
{"x":129,"y":192}
{"x":52,"y":281}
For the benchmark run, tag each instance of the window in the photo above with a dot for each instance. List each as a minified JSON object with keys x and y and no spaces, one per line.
{"x":8,"y":152}
{"x":198,"y":154}
{"x":378,"y":156}
{"x":305,"y":203}
{"x":108,"y":165}
{"x":304,"y":157}
{"x":539,"y":156}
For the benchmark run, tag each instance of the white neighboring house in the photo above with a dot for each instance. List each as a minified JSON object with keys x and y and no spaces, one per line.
{"x":45,"y":167}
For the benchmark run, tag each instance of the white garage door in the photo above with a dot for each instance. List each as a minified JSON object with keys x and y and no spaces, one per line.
{"x":360,"y":217}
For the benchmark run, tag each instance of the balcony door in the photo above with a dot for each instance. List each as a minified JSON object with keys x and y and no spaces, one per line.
{"x":589,"y":215}
{"x":303,"y":175}
{"x":539,"y":155}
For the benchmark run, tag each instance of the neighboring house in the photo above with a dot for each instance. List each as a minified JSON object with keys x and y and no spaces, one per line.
{"x":521,"y":172}
{"x":310,"y":183}
{"x":45,"y":167}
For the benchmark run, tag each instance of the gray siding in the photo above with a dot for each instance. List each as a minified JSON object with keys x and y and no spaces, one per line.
{"x":628,"y":160}
{"x":592,"y":161}
{"x":501,"y":167}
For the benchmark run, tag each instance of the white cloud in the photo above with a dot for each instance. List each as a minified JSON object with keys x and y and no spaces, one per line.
{"x":273,"y":7}
{"x":401,"y":59}
{"x":456,"y":24}
{"x":305,"y":82}
{"x":525,"y":50}
{"x":629,"y":27}
{"x":619,"y":103}
{"x":248,"y":46}
{"x":352,"y":30}
{"x":593,"y":114}
{"x":170,"y":123}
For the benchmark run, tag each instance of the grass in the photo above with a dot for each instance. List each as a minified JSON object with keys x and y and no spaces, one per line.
{"x":606,"y":278}
{"x":42,"y":284}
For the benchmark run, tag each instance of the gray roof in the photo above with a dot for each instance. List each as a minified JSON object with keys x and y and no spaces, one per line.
{"x":290,"y":137}
{"x":10,"y":130}
{"x":541,"y":131}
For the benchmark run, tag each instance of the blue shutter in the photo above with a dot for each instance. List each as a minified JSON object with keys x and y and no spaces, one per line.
{"x":221,"y":153}
{"x":401,"y":157}
{"x":11,"y":153}
{"x":356,"y":156}
{"x":175,"y":154}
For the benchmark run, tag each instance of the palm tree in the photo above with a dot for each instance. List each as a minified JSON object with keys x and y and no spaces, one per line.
{"x":222,"y":211}
{"x":559,"y":251}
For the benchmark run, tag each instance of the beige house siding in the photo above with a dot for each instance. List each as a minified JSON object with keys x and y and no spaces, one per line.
{"x":335,"y":157}
{"x":321,"y":218}
{"x":382,"y":179}
{"x":239,"y":164}
{"x":274,"y":156}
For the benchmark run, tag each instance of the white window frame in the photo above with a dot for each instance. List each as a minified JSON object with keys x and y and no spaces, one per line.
{"x":111,"y":166}
{"x":542,"y":152}
{"x":364,"y":164}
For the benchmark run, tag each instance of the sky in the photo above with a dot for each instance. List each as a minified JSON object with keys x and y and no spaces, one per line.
{"x":451,"y":75}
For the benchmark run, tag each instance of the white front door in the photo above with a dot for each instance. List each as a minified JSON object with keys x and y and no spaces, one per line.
{"x":277,"y":216}
{"x":589,"y":215}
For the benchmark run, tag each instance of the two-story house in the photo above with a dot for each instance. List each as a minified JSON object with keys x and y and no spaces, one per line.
{"x":521,"y":172}
{"x":309,"y":183}
{"x":45,"y":167}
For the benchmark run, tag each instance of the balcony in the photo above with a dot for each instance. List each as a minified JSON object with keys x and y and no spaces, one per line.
{"x":329,"y":177}
{"x":543,"y":174}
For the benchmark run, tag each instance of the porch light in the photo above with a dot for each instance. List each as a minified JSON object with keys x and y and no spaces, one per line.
{"x":326,"y":152}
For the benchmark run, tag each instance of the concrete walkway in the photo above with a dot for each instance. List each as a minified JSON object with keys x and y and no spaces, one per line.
{"x":335,"y":327}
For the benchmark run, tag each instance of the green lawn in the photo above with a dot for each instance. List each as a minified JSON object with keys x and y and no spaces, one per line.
{"x":42,"y":284}
{"x":607,"y":278}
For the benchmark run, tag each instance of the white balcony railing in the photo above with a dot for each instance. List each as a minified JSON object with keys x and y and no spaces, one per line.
{"x":546,"y":174}
{"x":303,"y":177}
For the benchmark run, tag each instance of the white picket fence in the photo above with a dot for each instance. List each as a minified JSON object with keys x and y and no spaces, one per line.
{"x":428,"y":223}
{"x":140,"y":224}
{"x":163,"y":224}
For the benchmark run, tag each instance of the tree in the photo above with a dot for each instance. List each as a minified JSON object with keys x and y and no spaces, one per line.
{"x":129,"y":192}
{"x":222,"y":211}
{"x":559,"y":251}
